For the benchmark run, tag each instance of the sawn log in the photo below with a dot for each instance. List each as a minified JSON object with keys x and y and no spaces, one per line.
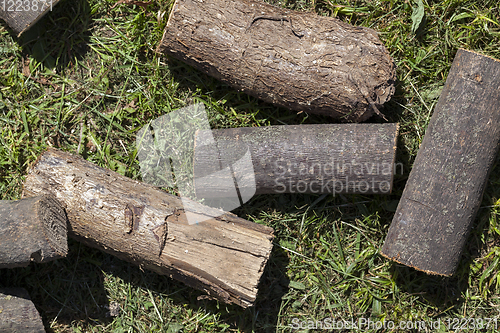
{"x":324,"y":158}
{"x":32,"y":229}
{"x":298,"y":60}
{"x":450,"y":173}
{"x":224,"y":256}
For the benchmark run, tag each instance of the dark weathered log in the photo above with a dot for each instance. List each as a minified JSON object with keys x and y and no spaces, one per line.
{"x":21,"y":15}
{"x":446,"y":184}
{"x":18,"y":313}
{"x":329,"y":158}
{"x":32,"y":229}
{"x":224,"y":255}
{"x":298,"y":60}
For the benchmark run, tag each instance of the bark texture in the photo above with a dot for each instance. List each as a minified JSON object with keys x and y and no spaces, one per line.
{"x":17,"y":313}
{"x":20,"y":15}
{"x":446,"y":184}
{"x":328,"y":158}
{"x":32,"y":229}
{"x":224,"y":256}
{"x":298,"y":60}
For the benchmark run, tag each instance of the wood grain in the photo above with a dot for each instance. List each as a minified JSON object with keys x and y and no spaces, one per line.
{"x":323,"y":158}
{"x":32,"y":229}
{"x":223,"y":256}
{"x":20,"y":15}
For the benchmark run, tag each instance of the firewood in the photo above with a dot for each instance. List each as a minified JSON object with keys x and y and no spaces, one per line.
{"x":223,"y":255}
{"x":326,"y":158}
{"x":450,"y":173}
{"x":298,"y":60}
{"x":18,"y":313}
{"x":32,"y":229}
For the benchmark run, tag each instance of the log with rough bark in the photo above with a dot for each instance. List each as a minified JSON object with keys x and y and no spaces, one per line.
{"x":18,"y":313}
{"x":298,"y":60}
{"x":224,"y":255}
{"x":32,"y":229}
{"x":20,"y":15}
{"x":447,"y":181}
{"x":326,"y":158}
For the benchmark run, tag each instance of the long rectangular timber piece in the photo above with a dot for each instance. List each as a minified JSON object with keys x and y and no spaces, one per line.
{"x":20,"y":15}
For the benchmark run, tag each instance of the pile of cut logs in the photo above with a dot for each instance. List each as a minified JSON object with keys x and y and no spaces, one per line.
{"x":303,"y":62}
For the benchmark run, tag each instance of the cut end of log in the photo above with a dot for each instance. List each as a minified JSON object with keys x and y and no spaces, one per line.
{"x":54,"y":221}
{"x":398,"y":260}
{"x":34,"y":229}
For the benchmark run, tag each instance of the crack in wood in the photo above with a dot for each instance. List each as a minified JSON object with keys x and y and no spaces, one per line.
{"x":161,"y":233}
{"x":132,"y":217}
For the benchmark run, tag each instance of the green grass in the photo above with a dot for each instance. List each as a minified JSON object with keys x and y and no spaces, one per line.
{"x":87,"y":78}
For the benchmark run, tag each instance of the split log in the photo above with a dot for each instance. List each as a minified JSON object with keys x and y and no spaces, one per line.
{"x":20,"y":15}
{"x":298,"y":60}
{"x":327,"y":158}
{"x":223,"y":255}
{"x":18,"y":313}
{"x":446,"y":185}
{"x":32,"y":229}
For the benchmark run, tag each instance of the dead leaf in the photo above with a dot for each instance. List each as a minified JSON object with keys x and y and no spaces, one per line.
{"x":26,"y":67}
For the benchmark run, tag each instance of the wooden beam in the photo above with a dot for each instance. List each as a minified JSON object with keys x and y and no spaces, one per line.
{"x":22,"y":15}
{"x":18,"y":313}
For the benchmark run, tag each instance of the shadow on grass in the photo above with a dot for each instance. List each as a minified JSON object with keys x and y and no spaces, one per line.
{"x":72,"y":290}
{"x":192,"y":80}
{"x":261,"y":318}
{"x":60,"y":37}
{"x":65,"y":290}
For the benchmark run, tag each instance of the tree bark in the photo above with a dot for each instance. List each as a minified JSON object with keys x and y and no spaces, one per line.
{"x":329,"y":158}
{"x":224,"y":255}
{"x":18,"y":313}
{"x":32,"y":229}
{"x":297,"y":60}
{"x":446,"y":185}
{"x":20,"y":15}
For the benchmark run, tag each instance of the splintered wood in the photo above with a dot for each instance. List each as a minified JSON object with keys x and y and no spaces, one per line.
{"x":224,"y":256}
